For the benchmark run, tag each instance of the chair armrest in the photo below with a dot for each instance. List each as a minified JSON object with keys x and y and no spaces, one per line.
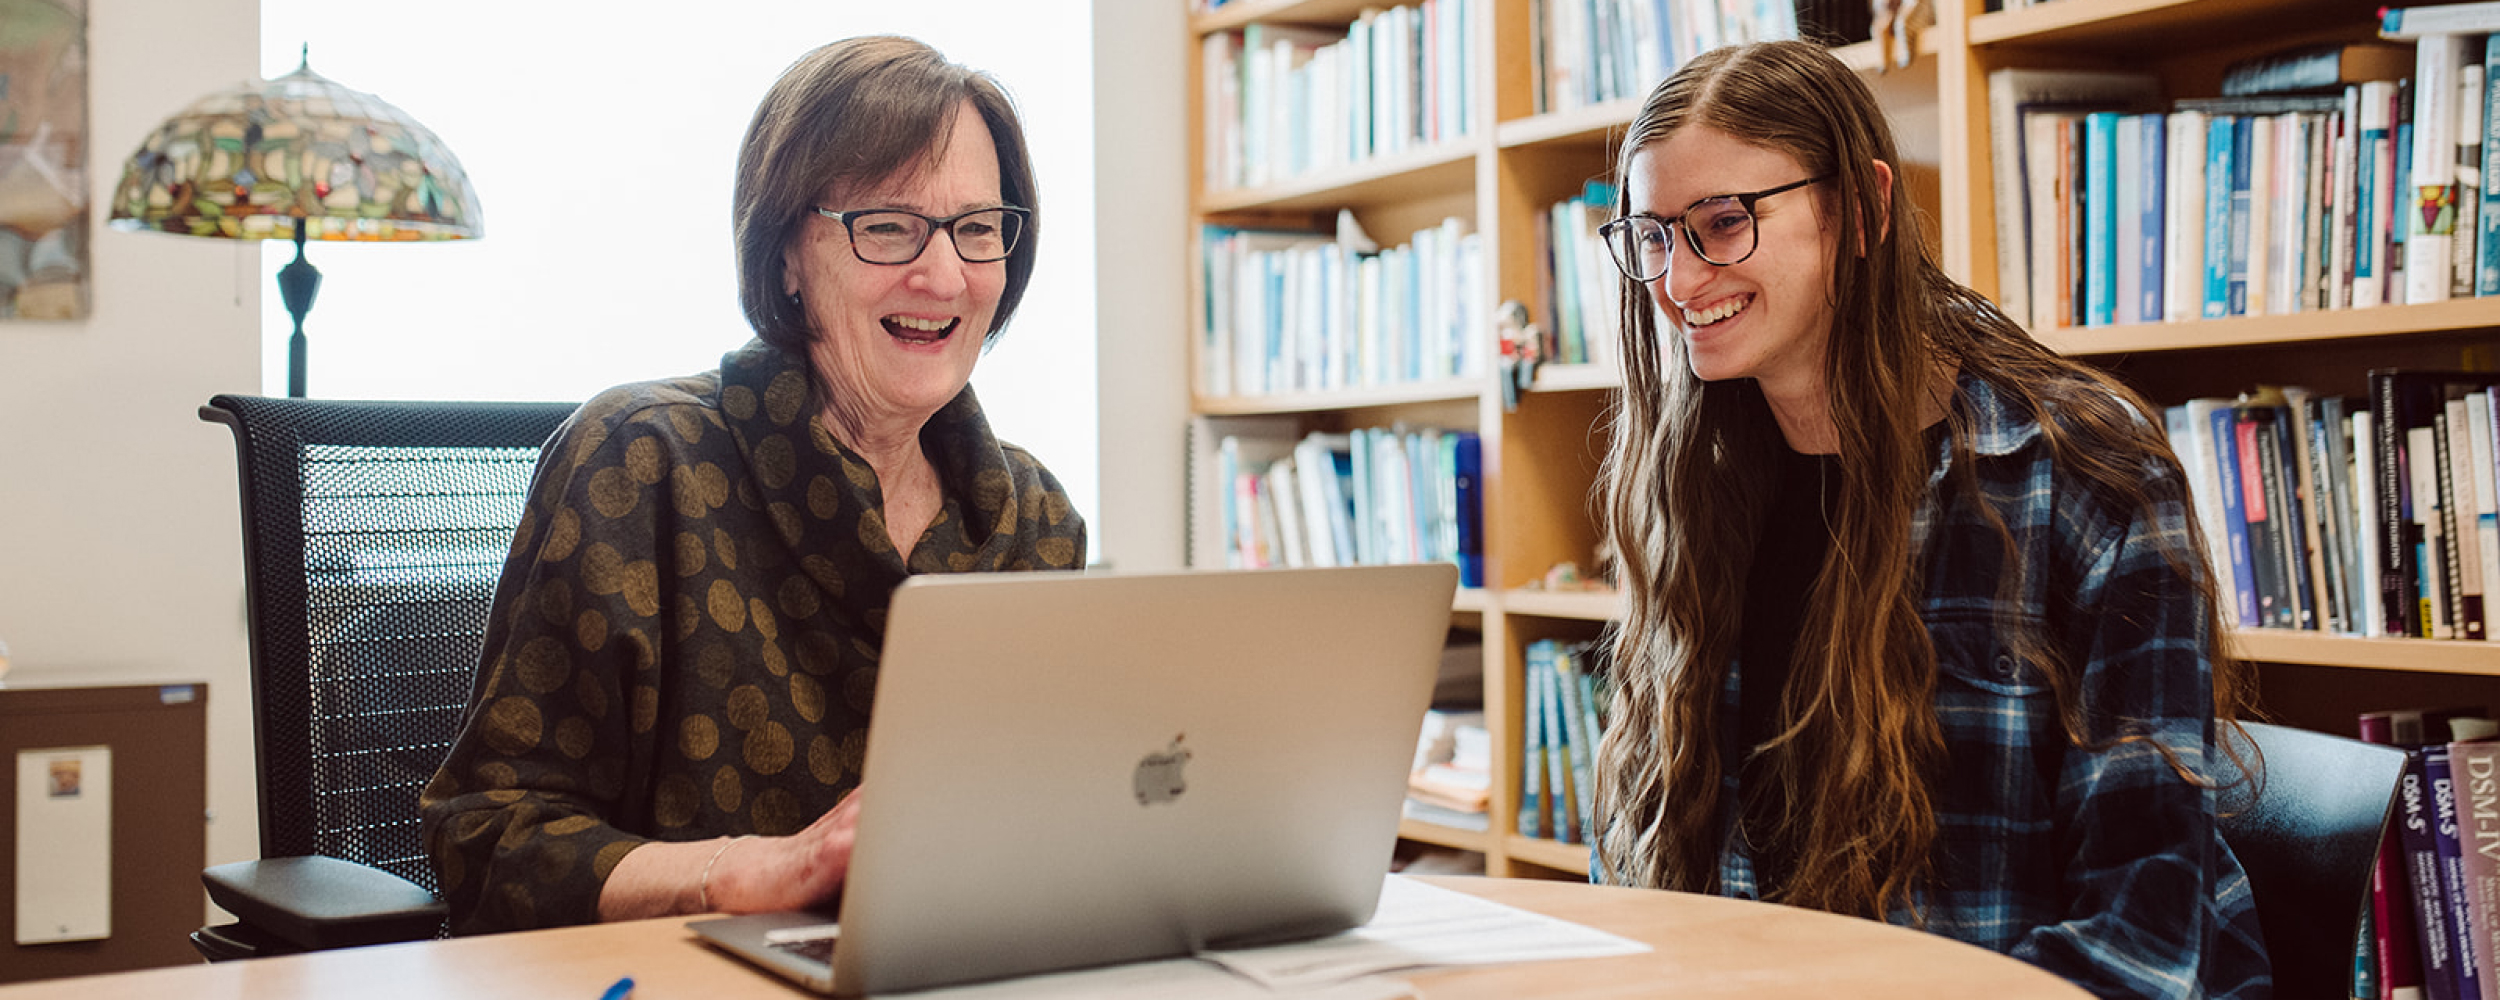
{"x":319,"y":902}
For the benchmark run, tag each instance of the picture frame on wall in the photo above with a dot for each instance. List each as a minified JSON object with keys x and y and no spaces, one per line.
{"x":43,"y":159}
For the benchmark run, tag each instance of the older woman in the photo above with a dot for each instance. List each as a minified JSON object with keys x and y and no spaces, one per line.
{"x":1918,"y":625}
{"x":678,"y":675}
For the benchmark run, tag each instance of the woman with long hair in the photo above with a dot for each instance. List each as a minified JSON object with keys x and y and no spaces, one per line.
{"x":1919,"y":625}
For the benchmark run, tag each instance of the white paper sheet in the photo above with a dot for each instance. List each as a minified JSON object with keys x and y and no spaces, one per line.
{"x":1421,"y":926}
{"x":1165,"y":980}
{"x":64,"y":844}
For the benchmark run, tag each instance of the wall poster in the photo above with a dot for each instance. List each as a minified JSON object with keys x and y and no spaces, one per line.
{"x":43,"y":159}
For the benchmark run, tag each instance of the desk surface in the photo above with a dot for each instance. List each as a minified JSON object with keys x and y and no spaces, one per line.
{"x":1706,"y":947}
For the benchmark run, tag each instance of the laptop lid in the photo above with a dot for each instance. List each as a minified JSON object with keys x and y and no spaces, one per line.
{"x":1070,"y":770}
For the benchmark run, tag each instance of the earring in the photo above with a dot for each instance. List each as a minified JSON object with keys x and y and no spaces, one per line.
{"x":794,"y":297}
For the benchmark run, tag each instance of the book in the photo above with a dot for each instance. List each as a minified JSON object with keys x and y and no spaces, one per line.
{"x":2374,"y":197}
{"x":2406,"y":23}
{"x":2259,"y":105}
{"x":2474,"y":766}
{"x":1560,"y":797}
{"x":2487,"y":249}
{"x":2316,"y":67}
{"x":1576,"y":716}
{"x":2465,"y":230}
{"x":2366,"y":547}
{"x":2260,"y":471}
{"x":2183,"y":223}
{"x":2451,"y":866}
{"x":2418,"y":882}
{"x":2047,"y":176}
{"x":2432,"y":207}
{"x":2399,"y":940}
{"x":2458,"y":509}
{"x":2402,"y":402}
{"x":2221,"y":164}
{"x":2190,"y":426}
{"x":2012,"y":92}
{"x":2100,"y":220}
{"x":2224,"y":422}
{"x":1533,"y":742}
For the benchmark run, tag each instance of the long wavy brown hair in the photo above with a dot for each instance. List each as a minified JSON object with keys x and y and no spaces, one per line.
{"x":1690,"y":472}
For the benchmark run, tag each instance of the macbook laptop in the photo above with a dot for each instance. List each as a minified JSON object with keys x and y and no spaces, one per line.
{"x":1070,"y":770}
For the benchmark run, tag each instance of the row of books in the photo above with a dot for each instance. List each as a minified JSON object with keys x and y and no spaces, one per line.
{"x":2369,"y":194}
{"x":1285,"y":100}
{"x":1366,"y":497}
{"x":2377,"y":519}
{"x":1578,"y":287}
{"x":1451,"y":783}
{"x":1303,"y":312}
{"x":1594,"y":51}
{"x":1565,"y":713}
{"x":2433,"y":925}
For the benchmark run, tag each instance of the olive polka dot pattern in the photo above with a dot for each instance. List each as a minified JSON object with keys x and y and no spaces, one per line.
{"x":686,"y":641}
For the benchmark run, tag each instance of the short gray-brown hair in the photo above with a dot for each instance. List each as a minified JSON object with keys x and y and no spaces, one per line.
{"x":858,"y":111}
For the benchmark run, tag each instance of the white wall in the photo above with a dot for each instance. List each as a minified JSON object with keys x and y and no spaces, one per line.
{"x":119,"y":550}
{"x":1141,"y":229}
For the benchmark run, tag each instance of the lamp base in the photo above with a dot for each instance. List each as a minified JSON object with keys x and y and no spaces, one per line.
{"x":298,"y":283}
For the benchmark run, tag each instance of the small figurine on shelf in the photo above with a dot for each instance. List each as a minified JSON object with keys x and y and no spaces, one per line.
{"x":1896,"y":21}
{"x":1522,"y":350}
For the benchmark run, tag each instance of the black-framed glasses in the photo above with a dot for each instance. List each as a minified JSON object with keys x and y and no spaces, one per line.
{"x":1720,"y":230}
{"x":895,"y":236}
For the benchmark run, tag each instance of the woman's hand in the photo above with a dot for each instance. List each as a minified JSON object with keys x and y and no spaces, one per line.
{"x":735,"y":875}
{"x":788,"y":873}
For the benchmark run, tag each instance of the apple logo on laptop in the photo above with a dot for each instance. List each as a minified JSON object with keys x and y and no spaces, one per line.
{"x":1159,"y":774}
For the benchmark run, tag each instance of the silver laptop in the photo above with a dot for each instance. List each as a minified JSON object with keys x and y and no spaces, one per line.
{"x":1070,"y":770}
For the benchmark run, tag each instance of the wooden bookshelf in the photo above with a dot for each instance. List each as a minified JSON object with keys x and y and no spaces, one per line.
{"x":1541,"y":460}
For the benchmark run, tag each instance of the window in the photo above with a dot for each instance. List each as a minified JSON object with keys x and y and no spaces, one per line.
{"x":602,"y":140}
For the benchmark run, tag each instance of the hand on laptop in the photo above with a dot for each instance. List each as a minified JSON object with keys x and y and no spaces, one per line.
{"x":789,"y":873}
{"x":746,"y":875}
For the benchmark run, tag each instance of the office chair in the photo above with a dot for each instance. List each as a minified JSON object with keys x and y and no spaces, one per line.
{"x":373,"y":533}
{"x":2308,"y":842}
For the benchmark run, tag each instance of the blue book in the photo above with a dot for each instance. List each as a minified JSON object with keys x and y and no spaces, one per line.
{"x":2218,"y":159}
{"x":2100,"y":218}
{"x":2235,"y":513}
{"x":2127,"y":240}
{"x":1558,"y":793}
{"x":2487,"y":248}
{"x":2425,"y":886}
{"x":2242,"y":132}
{"x":2394,"y":265}
{"x":2451,"y":866}
{"x":1468,"y":462}
{"x":2375,"y":135}
{"x":2153,"y":167}
{"x":1532,"y":746}
{"x":1567,"y":678}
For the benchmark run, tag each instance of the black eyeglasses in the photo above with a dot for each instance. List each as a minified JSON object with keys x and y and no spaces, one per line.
{"x":894,"y":236}
{"x":1719,"y":229}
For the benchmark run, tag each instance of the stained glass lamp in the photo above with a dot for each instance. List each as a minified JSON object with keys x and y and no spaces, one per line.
{"x":299,"y":157}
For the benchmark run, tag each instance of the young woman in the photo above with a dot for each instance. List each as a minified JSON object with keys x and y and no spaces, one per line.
{"x":1919,"y":626}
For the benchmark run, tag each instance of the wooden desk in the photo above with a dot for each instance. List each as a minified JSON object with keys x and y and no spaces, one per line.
{"x":1706,"y":947}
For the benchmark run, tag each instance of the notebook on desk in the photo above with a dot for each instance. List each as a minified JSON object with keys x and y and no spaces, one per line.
{"x":1070,"y":770}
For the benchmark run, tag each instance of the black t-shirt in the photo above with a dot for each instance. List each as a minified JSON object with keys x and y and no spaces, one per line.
{"x":1795,"y":539}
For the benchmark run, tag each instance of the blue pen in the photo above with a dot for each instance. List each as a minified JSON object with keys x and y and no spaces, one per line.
{"x":623,"y":988}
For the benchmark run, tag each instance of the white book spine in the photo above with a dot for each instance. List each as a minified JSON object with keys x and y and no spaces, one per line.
{"x":2183,"y":259}
{"x":2431,"y":214}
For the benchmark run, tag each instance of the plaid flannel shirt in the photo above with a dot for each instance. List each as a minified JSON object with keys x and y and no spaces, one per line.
{"x":2102,"y":866}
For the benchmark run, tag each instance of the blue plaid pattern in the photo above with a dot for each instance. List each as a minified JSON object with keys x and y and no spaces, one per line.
{"x":2101,"y":866}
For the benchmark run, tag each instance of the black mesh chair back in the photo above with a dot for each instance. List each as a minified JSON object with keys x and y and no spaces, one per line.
{"x":373,"y":535}
{"x":2308,"y":839}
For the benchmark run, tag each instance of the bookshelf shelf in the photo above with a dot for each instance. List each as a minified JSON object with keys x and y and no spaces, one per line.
{"x":2139,"y":27}
{"x":1586,"y":605}
{"x":2249,"y":331}
{"x":1343,"y":399}
{"x":1242,"y":12}
{"x":1448,"y":167}
{"x":1594,"y":124}
{"x":1569,"y":378}
{"x":1552,"y":854}
{"x":2405,"y":655}
{"x":1443,"y":836}
{"x":1471,"y":601}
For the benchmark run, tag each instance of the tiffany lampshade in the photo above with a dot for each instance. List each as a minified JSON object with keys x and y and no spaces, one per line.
{"x":299,"y":157}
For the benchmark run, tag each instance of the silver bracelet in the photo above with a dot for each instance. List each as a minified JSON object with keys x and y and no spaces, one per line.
{"x":703,"y":888}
